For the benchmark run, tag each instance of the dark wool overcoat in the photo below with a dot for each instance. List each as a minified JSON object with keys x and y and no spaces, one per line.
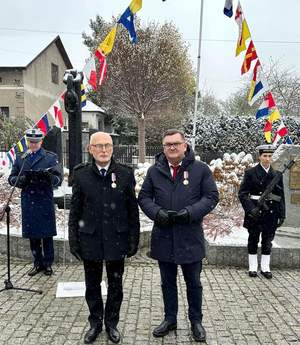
{"x":254,"y":183}
{"x":104,"y":221}
{"x":38,"y":213}
{"x":176,"y":243}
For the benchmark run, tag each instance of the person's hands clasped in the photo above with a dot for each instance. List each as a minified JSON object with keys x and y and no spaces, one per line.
{"x":182,"y":217}
{"x":163,"y":218}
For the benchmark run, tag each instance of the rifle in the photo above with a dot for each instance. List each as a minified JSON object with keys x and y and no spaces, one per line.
{"x":267,"y":194}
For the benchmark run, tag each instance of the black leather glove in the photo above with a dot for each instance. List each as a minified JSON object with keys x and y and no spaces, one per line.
{"x":132,"y":250}
{"x":75,"y":251}
{"x":22,"y":181}
{"x":280,"y":222}
{"x":162,"y":217}
{"x":182,"y":217}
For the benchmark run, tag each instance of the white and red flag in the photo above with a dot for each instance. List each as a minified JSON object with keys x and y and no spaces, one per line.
{"x":56,"y":112}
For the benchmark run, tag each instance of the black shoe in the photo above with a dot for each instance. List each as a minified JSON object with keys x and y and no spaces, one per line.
{"x":164,"y":328}
{"x":92,"y":334}
{"x":252,"y":274}
{"x":198,"y":332}
{"x":113,"y":334}
{"x":35,"y":270}
{"x":48,"y":271}
{"x":267,"y":275}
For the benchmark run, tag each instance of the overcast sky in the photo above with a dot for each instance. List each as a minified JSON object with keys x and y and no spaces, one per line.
{"x":27,"y":26}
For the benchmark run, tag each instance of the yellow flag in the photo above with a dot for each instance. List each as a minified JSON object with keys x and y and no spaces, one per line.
{"x":268,"y":137}
{"x":243,"y":36}
{"x":107,"y":45}
{"x":135,"y":6}
{"x":274,"y":116}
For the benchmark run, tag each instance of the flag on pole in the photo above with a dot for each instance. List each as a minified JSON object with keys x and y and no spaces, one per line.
{"x":89,"y":71}
{"x":244,"y":32}
{"x":258,"y":84}
{"x":228,"y":8}
{"x":22,"y":145}
{"x":107,"y":45}
{"x":127,"y":20}
{"x":281,"y":132}
{"x":102,"y":65}
{"x":56,"y":112}
{"x":11,"y":155}
{"x":249,"y":57}
{"x":135,"y":6}
{"x":43,"y":124}
{"x":268,"y":131}
{"x":266,"y":106}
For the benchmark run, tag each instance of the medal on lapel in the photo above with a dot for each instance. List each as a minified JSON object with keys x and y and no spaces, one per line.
{"x":185,"y":178}
{"x":113,"y":180}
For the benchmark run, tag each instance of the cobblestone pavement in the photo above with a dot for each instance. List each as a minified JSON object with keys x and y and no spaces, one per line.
{"x":237,"y":309}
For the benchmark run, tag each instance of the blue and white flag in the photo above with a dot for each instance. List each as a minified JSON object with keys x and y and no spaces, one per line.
{"x":228,"y":8}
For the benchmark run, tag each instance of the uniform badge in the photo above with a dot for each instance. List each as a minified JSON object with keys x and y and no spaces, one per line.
{"x":185,"y":178}
{"x":113,"y":180}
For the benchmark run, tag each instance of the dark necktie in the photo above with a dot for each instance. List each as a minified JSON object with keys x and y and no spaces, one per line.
{"x":175,"y":171}
{"x":102,"y":172}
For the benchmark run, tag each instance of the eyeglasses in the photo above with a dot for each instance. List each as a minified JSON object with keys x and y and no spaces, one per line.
{"x":101,"y":147}
{"x":175,"y":145}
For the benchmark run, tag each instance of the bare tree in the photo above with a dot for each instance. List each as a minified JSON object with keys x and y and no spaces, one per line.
{"x":145,"y":77}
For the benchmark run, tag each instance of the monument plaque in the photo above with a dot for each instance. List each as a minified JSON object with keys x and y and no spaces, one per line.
{"x":295,"y":176}
{"x":295,"y":198}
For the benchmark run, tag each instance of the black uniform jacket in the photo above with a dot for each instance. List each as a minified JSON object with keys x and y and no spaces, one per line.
{"x":179,"y":243}
{"x":104,"y":221}
{"x":255,"y":182}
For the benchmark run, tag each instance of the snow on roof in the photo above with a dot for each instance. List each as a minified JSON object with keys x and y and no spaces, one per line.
{"x":90,"y":106}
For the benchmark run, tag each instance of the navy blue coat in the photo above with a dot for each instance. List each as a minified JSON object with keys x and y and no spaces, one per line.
{"x":104,"y":221}
{"x":38,"y":214}
{"x":179,"y":244}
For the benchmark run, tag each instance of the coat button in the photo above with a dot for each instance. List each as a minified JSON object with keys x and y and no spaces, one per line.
{"x":271,"y":211}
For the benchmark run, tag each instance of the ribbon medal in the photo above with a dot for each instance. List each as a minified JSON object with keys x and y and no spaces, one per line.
{"x":113,"y":180}
{"x":185,"y":178}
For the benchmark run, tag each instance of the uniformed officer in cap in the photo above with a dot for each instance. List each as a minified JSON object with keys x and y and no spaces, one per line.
{"x":40,"y":171}
{"x":263,"y":221}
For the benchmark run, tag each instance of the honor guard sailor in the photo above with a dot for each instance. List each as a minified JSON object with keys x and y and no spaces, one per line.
{"x":261,"y":221}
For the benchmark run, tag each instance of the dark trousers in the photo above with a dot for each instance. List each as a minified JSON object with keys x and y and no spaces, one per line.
{"x":191,"y":273}
{"x":42,"y":250}
{"x":93,"y":277}
{"x":267,"y":232}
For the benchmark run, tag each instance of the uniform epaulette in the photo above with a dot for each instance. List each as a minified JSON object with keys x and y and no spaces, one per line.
{"x":81,"y":165}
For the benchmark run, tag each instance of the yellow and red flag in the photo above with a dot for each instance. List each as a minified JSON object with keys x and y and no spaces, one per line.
{"x":249,"y":57}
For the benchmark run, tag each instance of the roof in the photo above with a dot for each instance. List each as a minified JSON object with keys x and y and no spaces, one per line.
{"x":92,"y":107}
{"x":22,"y":59}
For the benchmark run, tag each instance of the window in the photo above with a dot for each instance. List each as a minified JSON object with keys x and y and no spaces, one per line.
{"x":85,"y":125}
{"x":4,"y":112}
{"x":54,"y":73}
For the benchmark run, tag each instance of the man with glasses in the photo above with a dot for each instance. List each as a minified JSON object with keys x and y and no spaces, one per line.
{"x":262,"y":222}
{"x":103,"y":226}
{"x":39,"y":171}
{"x":177,"y":193}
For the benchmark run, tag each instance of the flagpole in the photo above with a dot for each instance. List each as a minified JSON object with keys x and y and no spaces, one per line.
{"x":197,"y":77}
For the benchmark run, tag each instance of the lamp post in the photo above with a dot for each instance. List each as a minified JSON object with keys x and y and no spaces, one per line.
{"x":197,"y":77}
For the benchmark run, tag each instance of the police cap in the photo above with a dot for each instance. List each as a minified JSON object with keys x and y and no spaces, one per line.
{"x":34,"y":135}
{"x":265,"y":149}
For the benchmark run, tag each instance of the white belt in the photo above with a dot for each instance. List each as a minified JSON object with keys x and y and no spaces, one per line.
{"x":255,"y":197}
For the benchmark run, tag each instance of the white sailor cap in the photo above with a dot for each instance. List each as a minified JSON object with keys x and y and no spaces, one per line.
{"x":267,"y":148}
{"x":34,"y":135}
